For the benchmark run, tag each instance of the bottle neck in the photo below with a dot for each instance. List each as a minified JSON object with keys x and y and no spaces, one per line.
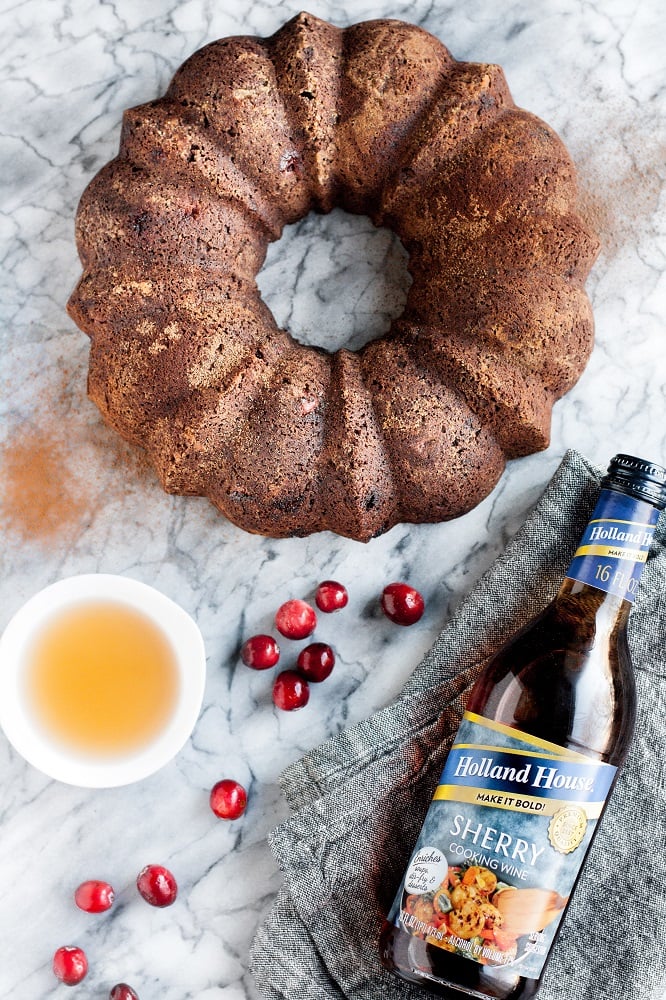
{"x":613,"y":551}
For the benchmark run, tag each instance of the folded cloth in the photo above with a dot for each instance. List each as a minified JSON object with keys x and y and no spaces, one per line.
{"x":359,"y":800}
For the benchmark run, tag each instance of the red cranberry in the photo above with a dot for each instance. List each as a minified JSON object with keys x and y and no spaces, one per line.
{"x":402,"y":604}
{"x":290,"y":691}
{"x":94,"y":896}
{"x":121,"y":991}
{"x":228,"y":799}
{"x":331,"y":596}
{"x":260,"y":652}
{"x":157,"y":885}
{"x":295,"y":620}
{"x":70,"y":965}
{"x":316,"y":661}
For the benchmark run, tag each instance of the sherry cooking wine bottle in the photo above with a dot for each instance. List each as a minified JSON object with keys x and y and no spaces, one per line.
{"x":547,"y":726}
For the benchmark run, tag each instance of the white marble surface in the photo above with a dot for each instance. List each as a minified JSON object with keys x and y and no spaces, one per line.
{"x":595,"y":71}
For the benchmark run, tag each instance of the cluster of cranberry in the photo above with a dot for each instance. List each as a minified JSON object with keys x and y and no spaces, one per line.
{"x":296,"y":619}
{"x":156,"y":885}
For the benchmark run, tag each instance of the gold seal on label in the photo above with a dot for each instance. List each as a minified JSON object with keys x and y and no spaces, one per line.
{"x":566,"y":829}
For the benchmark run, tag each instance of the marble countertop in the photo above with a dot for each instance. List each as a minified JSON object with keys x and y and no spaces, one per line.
{"x":74,"y":498}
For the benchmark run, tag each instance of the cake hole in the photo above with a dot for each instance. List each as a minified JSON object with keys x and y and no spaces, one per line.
{"x":335,"y":280}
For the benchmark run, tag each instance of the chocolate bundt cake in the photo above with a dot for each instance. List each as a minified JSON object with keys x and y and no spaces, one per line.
{"x":252,"y":134}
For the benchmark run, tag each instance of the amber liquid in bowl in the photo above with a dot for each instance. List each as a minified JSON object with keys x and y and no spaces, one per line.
{"x":101,"y":678}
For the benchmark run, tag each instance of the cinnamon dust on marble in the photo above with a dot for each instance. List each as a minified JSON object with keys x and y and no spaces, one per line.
{"x":40,"y":498}
{"x":621,"y":174}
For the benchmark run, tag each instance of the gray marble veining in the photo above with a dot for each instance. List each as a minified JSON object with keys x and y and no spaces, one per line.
{"x":595,"y":72}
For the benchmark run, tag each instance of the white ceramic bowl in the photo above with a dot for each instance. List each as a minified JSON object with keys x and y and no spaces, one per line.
{"x":74,"y":767}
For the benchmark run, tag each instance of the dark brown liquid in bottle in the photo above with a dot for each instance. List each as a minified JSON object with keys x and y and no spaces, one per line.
{"x":565,"y":678}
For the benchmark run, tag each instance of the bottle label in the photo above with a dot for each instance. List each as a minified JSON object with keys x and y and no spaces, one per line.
{"x":501,"y":846}
{"x":614,"y":549}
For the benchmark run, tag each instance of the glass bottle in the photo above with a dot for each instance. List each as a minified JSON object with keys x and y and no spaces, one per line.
{"x":547,"y":726}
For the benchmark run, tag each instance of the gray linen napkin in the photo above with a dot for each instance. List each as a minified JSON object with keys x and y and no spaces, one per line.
{"x":359,"y":800}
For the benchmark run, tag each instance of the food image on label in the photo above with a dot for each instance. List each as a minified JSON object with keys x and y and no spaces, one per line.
{"x":501,"y":845}
{"x":474,"y":914}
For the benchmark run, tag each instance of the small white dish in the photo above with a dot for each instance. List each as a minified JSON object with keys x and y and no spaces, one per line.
{"x":88,"y":769}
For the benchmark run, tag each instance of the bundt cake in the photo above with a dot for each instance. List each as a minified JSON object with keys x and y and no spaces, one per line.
{"x":252,"y":134}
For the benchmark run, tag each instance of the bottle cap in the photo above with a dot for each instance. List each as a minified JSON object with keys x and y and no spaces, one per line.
{"x":637,"y":478}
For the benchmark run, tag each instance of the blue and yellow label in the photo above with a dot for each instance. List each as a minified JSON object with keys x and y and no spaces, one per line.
{"x":501,"y":846}
{"x":614,"y":548}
